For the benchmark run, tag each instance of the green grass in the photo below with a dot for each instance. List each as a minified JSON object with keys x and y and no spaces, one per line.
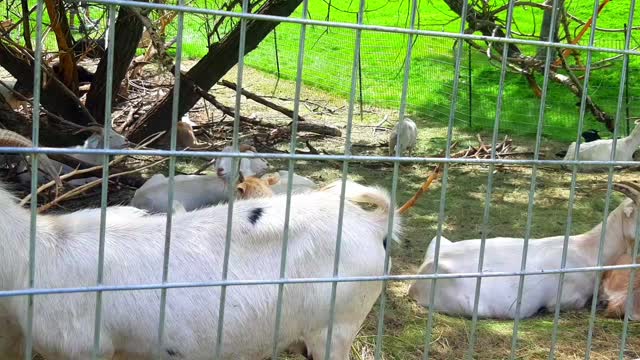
{"x":329,"y":59}
{"x":329,"y":56}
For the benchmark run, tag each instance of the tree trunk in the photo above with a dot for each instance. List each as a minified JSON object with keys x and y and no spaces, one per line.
{"x":485,"y":24}
{"x":26,"y":26}
{"x":68,"y":73}
{"x":55,"y":97}
{"x":220,"y":58}
{"x":128,"y":30}
{"x":546,"y":27}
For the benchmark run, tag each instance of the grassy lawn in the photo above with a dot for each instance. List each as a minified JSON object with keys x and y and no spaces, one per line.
{"x":329,"y":60}
{"x":329,"y":52}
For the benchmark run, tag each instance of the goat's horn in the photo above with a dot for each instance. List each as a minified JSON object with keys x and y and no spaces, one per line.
{"x":245,"y":147}
{"x":10,"y":138}
{"x":631,"y":190}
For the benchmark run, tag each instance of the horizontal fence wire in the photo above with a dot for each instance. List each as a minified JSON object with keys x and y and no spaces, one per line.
{"x":450,"y":102}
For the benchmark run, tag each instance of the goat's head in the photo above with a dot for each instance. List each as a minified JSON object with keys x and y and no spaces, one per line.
{"x":10,"y":138}
{"x":252,"y":187}
{"x":250,"y":167}
{"x":629,"y":208}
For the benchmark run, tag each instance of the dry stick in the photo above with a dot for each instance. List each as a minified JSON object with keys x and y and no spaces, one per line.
{"x":76,"y":172}
{"x":85,"y":187}
{"x":260,"y":100}
{"x":425,"y":186}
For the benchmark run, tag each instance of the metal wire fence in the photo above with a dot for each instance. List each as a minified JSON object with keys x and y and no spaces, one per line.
{"x":453,"y":100}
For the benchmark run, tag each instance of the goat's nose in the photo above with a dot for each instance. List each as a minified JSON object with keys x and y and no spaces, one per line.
{"x":220,"y":172}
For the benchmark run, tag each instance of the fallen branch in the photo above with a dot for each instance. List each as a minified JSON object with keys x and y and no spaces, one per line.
{"x":80,"y":189}
{"x":304,"y":126}
{"x":260,"y":100}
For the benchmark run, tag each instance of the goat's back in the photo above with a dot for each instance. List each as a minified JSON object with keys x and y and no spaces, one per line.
{"x":134,"y":248}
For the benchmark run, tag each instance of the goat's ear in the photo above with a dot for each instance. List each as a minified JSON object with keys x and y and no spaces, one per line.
{"x":241,"y":188}
{"x":628,"y":210}
{"x":272,"y":180}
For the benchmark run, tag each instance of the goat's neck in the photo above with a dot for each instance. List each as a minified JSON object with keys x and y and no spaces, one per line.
{"x":614,"y":242}
{"x":633,"y":140}
{"x":14,"y":241}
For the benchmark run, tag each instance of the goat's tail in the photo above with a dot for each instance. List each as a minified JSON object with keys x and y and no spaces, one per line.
{"x":367,"y":196}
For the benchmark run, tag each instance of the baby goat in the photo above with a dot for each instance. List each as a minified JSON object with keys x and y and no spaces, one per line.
{"x":613,"y":292}
{"x":408,"y":136}
{"x":498,"y":294}
{"x":249,"y":166}
{"x":190,"y":191}
{"x":67,"y":256}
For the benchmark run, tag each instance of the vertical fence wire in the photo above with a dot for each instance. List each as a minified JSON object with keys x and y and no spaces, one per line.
{"x":534,"y":172}
{"x":35,"y":135}
{"x":171,"y":180}
{"x":618,"y":122}
{"x":343,"y":187}
{"x":445,"y":178}
{"x":232,"y":181}
{"x":487,"y":204}
{"x":105,"y":178}
{"x":574,"y":178}
{"x":394,"y":181}
{"x":291,"y":165}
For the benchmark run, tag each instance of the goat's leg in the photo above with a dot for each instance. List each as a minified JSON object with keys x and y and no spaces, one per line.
{"x":343,"y":336}
{"x":11,"y":341}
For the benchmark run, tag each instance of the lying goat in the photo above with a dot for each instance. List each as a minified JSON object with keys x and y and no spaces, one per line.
{"x":299,"y":183}
{"x":190,"y":191}
{"x":615,"y":284}
{"x":96,"y":141}
{"x":408,"y":136}
{"x":67,"y":256}
{"x":600,"y":150}
{"x":196,"y":191}
{"x":498,"y":294}
{"x":248,"y":166}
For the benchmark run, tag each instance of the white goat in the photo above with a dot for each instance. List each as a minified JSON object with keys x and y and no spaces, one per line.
{"x":408,"y":136}
{"x":498,"y":294}
{"x":95,"y":141}
{"x":66,"y":254}
{"x":600,"y":150}
{"x":191,"y":191}
{"x":300,"y":183}
{"x":249,"y":167}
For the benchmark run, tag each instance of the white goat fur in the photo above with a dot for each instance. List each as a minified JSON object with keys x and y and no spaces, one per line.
{"x":600,"y":150}
{"x":95,"y":141}
{"x":248,"y":166}
{"x":299,"y":183}
{"x":191,"y":191}
{"x":408,"y":136}
{"x":67,"y":256}
{"x":498,"y":294}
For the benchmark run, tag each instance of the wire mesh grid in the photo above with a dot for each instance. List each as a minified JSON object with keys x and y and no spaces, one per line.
{"x":360,"y":36}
